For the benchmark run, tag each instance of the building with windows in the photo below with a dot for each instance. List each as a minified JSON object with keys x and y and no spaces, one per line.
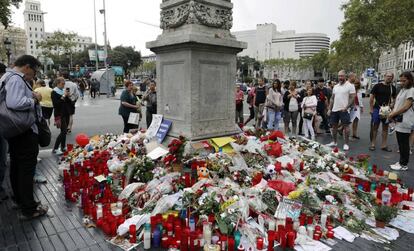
{"x":34,"y":25}
{"x":267,"y":43}
{"x":17,"y":38}
{"x":389,"y":61}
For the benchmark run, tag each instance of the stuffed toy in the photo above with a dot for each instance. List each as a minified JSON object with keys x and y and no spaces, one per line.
{"x":203,"y":172}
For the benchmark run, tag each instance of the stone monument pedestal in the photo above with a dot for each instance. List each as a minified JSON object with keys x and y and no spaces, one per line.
{"x":196,"y":68}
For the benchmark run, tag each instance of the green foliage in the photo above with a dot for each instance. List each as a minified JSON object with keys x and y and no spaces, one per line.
{"x":5,"y":11}
{"x":59,"y":47}
{"x":385,"y":213}
{"x":371,"y":27}
{"x":121,"y":55}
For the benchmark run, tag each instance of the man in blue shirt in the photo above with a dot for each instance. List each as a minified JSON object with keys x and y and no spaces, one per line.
{"x":24,"y":147}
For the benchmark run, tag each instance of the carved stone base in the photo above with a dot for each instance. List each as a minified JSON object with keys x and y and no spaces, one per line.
{"x":196,"y":68}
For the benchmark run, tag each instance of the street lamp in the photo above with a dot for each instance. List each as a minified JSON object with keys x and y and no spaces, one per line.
{"x":7,"y":46}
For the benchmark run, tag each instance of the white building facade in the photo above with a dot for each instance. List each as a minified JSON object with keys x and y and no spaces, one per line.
{"x":34,"y":25}
{"x":403,"y":61}
{"x":266,"y":43}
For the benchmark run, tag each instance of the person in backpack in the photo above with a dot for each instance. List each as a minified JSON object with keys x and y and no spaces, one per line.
{"x":24,"y":147}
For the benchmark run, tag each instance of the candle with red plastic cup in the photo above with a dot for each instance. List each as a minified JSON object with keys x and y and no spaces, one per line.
{"x":374,"y":168}
{"x":270,"y":240}
{"x":164,"y":241}
{"x":132,"y":233}
{"x":291,"y":239}
{"x":259,"y":243}
{"x":187,"y":179}
{"x":177,"y":232}
{"x":283,"y":239}
{"x":310,"y":220}
{"x":316,"y":236}
{"x":230,"y":244}
{"x":330,"y":234}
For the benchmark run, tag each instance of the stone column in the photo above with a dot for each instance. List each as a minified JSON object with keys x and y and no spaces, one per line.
{"x":196,"y":67}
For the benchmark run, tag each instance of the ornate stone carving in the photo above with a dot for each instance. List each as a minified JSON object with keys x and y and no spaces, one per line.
{"x":196,"y":12}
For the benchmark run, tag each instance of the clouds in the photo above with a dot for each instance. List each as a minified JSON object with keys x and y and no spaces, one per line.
{"x":77,"y":15}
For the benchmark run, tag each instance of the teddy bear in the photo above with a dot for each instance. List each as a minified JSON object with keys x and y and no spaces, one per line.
{"x":203,"y":172}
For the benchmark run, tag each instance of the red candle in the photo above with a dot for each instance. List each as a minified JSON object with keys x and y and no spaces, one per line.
{"x":271,"y":240}
{"x":230,"y":243}
{"x":164,"y":241}
{"x":330,"y":234}
{"x":259,"y":243}
{"x":316,"y":236}
{"x":310,"y":220}
{"x":187,"y":179}
{"x":291,"y":240}
{"x":282,"y":235}
{"x":132,"y":233}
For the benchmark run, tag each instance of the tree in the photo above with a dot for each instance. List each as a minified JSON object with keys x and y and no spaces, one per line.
{"x":59,"y":47}
{"x":372,"y":26}
{"x":5,"y":11}
{"x":125,"y":56}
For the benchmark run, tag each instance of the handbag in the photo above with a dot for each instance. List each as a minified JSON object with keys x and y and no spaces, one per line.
{"x":308,"y":115}
{"x":13,"y":122}
{"x":58,"y":122}
{"x":44,"y":134}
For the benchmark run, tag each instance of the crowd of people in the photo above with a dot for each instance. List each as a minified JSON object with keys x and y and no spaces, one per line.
{"x":334,"y":108}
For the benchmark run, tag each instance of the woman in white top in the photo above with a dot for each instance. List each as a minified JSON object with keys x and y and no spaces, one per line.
{"x":403,"y":116}
{"x":273,"y":106}
{"x":357,"y":109}
{"x":309,"y":104}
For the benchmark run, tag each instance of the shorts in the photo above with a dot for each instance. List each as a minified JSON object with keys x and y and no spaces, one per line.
{"x":344,"y":117}
{"x":290,"y":116}
{"x":251,"y":112}
{"x":47,"y":112}
{"x":376,"y":119}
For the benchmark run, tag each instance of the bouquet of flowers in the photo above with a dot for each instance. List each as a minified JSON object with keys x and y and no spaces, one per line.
{"x":176,"y":151}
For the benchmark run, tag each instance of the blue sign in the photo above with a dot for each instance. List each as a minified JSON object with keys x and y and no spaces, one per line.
{"x":163,"y":130}
{"x":370,"y":72}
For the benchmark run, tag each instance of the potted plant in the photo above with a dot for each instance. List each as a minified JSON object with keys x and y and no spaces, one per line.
{"x":384,"y":214}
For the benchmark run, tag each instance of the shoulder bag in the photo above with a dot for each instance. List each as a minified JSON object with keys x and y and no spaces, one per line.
{"x":13,"y":122}
{"x":44,"y":134}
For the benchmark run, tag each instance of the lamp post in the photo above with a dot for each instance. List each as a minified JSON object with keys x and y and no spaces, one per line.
{"x":96,"y":41}
{"x":103,"y":11}
{"x":7,"y":46}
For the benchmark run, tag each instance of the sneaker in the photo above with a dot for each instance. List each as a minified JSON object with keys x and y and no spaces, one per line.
{"x":38,"y":178}
{"x":57,"y":152}
{"x":346,"y":147}
{"x":332,"y":144}
{"x":398,"y":167}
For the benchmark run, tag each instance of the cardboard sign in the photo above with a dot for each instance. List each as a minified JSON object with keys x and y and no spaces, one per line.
{"x":163,"y":130}
{"x":155,"y":125}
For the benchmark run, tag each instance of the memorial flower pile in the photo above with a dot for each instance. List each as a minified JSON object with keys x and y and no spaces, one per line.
{"x":264,"y":189}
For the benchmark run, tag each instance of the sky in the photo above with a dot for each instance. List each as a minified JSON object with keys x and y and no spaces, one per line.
{"x":124,"y":17}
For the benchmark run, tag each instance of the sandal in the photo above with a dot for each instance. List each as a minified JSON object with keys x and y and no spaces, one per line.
{"x":40,"y":211}
{"x":386,"y":149}
{"x":372,"y":148}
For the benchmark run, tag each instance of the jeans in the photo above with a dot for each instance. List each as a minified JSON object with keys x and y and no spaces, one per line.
{"x":24,"y":149}
{"x":308,"y":128}
{"x":273,"y":118}
{"x":3,"y":163}
{"x":403,"y":140}
{"x":239,"y":115}
{"x":61,"y":139}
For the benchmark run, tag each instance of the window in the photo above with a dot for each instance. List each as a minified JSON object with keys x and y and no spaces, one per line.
{"x":30,"y":28}
{"x":30,"y":34}
{"x":36,"y":35}
{"x":35,"y":29}
{"x":405,"y":64}
{"x":41,"y":29}
{"x":31,"y":41}
{"x":40,"y":18}
{"x":31,"y":46}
